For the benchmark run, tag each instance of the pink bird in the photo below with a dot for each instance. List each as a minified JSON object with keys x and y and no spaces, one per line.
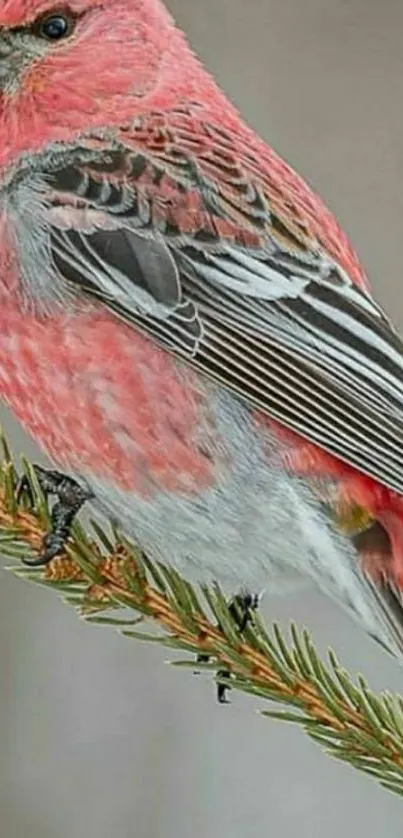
{"x":184,"y":327}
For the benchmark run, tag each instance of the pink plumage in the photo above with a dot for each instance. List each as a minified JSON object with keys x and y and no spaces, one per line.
{"x":183,"y":324}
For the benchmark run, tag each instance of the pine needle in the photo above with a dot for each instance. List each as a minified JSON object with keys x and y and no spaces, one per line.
{"x":100,"y":574}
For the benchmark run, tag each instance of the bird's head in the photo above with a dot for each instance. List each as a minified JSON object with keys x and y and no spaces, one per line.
{"x":69,"y":66}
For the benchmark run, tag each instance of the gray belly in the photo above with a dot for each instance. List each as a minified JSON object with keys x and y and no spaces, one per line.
{"x":259,"y":527}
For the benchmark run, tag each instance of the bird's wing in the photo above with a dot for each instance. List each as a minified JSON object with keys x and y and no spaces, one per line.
{"x":242,"y":275}
{"x":186,"y":241}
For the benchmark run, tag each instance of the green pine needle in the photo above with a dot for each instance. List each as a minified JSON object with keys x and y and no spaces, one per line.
{"x":104,"y":576}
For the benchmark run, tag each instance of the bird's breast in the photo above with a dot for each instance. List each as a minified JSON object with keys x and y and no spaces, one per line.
{"x":98,"y":395}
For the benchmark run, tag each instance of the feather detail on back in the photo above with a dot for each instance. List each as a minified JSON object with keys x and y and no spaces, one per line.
{"x":174,"y":227}
{"x":194,"y":245}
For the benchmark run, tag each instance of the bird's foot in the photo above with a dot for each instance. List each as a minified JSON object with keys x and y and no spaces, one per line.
{"x":241,"y":609}
{"x":70,"y":497}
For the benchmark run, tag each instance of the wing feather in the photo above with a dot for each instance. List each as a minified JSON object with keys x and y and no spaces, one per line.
{"x":284,"y":328}
{"x":223,"y":278}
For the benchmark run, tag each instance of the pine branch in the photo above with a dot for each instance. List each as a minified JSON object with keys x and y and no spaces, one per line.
{"x":101,"y":574}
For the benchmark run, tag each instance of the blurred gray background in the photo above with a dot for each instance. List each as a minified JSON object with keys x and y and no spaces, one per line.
{"x":97,"y":736}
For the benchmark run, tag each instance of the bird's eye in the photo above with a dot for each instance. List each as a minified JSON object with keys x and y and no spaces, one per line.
{"x":55,"y":27}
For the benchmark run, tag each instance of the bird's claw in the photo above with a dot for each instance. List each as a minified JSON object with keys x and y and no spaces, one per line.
{"x":70,"y":498}
{"x":223,"y":686}
{"x":241,"y":608}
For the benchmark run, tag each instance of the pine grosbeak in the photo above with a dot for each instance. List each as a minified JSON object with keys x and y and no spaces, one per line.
{"x":184,"y":328}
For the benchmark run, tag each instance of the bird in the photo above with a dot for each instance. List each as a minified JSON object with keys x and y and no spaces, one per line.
{"x":185,"y":329}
